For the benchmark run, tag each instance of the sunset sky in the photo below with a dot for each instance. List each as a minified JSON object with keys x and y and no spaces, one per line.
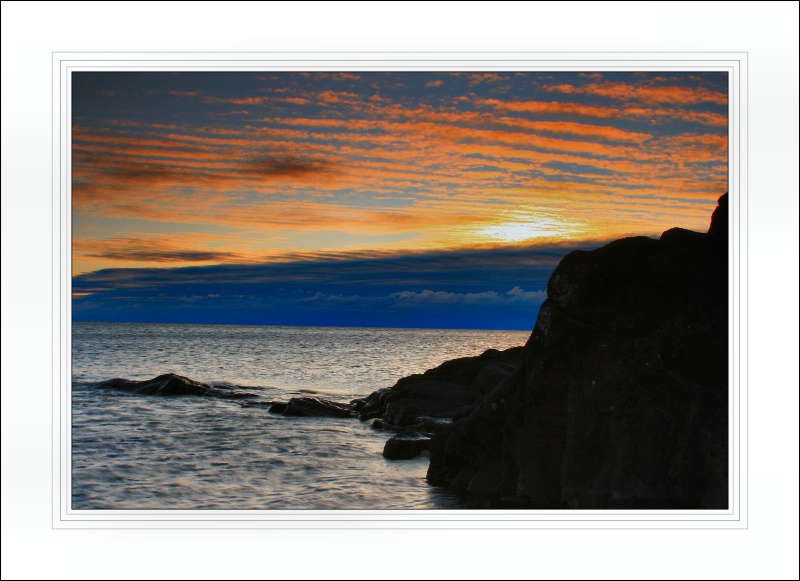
{"x":359,"y":198}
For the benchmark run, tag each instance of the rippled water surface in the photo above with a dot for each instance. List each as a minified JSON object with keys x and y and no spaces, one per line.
{"x":148,"y":452}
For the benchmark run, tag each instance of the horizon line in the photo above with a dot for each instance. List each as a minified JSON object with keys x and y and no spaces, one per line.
{"x":307,"y":326}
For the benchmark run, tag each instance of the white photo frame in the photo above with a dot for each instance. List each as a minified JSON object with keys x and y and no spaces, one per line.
{"x":735,"y":64}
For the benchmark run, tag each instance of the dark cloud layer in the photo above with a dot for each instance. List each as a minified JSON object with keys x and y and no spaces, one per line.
{"x":165,"y":256}
{"x":288,"y":166}
{"x":475,"y":288}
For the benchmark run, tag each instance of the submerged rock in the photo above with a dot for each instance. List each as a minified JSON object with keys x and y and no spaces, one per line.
{"x":405,"y":448}
{"x":278,"y":407}
{"x":171,"y":384}
{"x":620,"y":399}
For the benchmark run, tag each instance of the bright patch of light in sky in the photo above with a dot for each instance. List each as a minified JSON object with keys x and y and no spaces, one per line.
{"x":528,"y":229}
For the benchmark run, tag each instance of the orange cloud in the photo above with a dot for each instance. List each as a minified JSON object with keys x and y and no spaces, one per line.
{"x":478,"y":78}
{"x":183,"y":248}
{"x":292,"y":100}
{"x":599,"y":112}
{"x":673,"y":95}
{"x":342,"y":76}
{"x":604,"y":132}
{"x":329,"y":97}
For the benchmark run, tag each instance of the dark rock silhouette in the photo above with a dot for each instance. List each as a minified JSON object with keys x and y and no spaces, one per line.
{"x":405,"y":447}
{"x":171,"y":384}
{"x":430,"y":400}
{"x":620,"y":399}
{"x":313,"y":407}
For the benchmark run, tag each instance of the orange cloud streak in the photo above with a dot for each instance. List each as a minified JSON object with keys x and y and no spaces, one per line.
{"x":674,"y":95}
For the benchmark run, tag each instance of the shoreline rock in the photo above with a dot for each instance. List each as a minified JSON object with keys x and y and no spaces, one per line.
{"x":313,"y":407}
{"x":620,"y":400}
{"x":172,"y":384}
{"x":432,"y":399}
{"x":405,"y":447}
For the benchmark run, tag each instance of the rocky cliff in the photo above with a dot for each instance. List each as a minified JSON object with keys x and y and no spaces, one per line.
{"x":621,"y":396}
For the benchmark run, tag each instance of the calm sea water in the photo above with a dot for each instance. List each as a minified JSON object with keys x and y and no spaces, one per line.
{"x":149,"y":452}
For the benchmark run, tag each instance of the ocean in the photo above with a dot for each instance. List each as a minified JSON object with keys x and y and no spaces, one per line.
{"x":133,"y":451}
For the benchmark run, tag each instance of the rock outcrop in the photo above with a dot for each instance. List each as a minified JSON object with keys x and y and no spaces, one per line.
{"x":621,"y":396}
{"x":313,"y":407}
{"x":171,"y":384}
{"x":432,"y":399}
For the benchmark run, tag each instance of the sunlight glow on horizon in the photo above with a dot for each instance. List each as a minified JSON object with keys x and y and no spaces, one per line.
{"x":529,"y":229}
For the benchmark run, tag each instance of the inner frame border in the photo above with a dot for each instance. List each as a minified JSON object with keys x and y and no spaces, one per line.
{"x":64,"y":64}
